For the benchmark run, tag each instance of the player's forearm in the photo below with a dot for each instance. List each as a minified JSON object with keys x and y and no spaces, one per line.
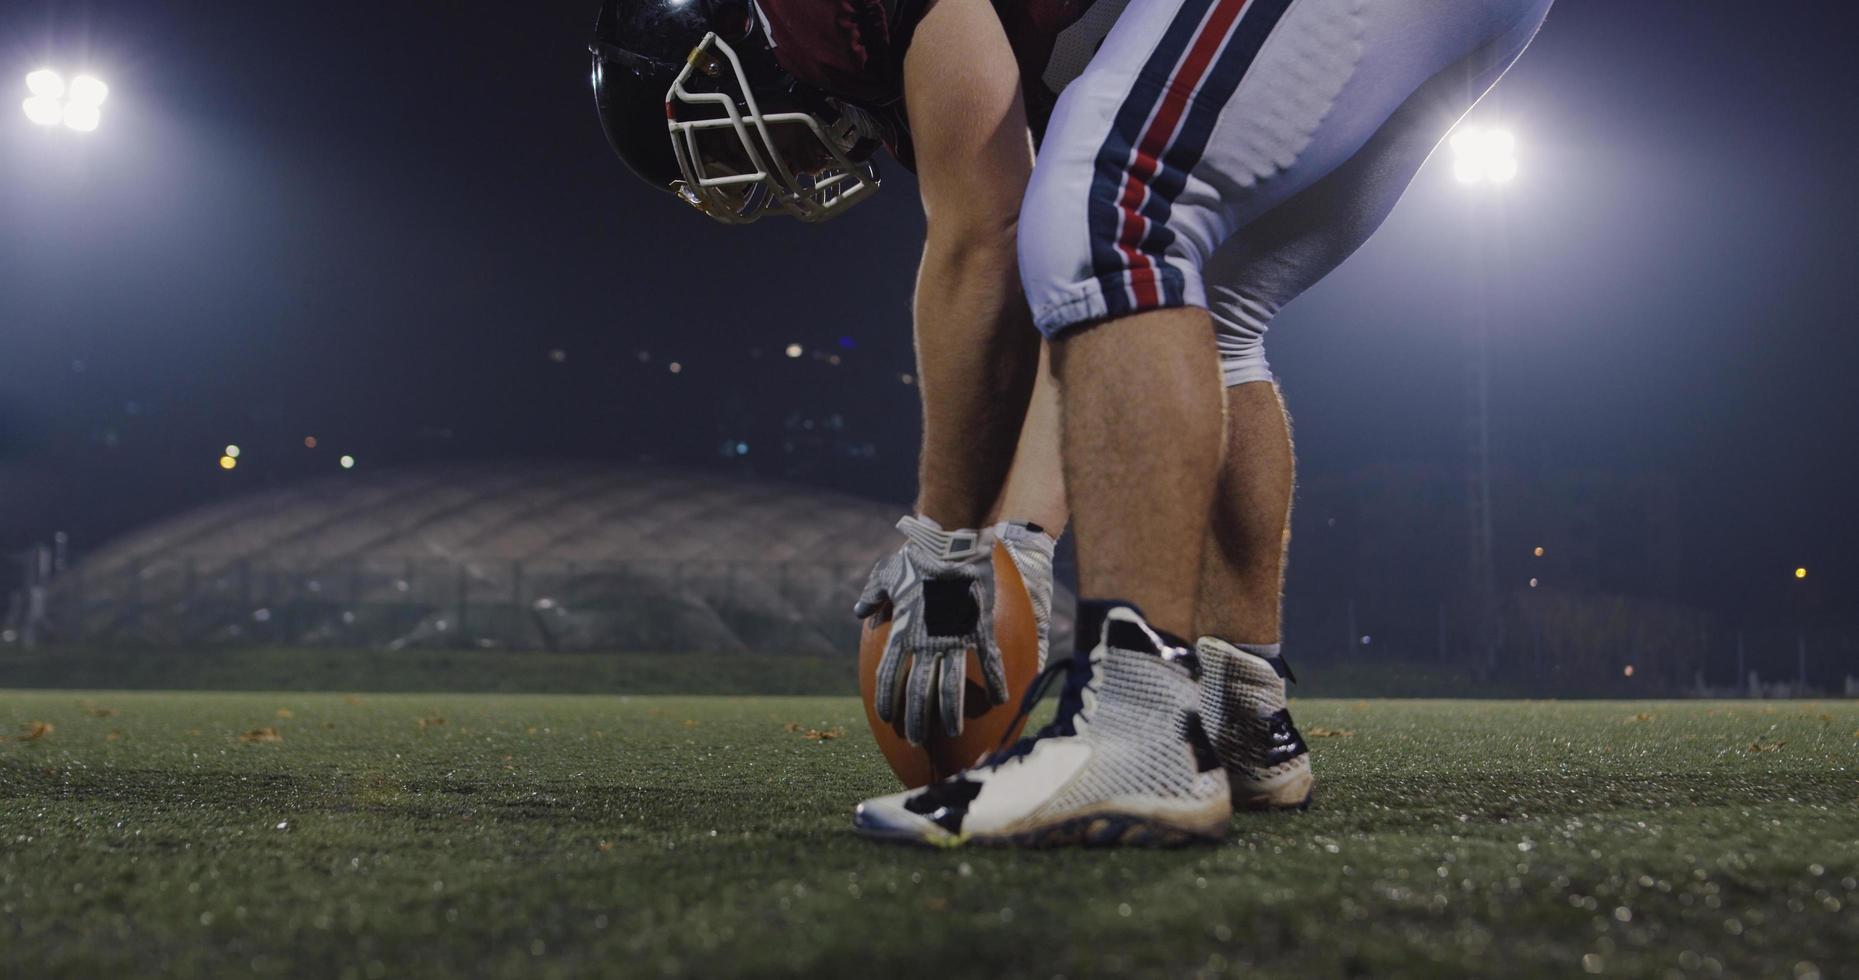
{"x":1035,"y":490}
{"x":977,"y":354}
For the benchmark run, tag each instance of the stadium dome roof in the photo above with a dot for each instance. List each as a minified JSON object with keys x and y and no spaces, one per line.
{"x":515,"y":555}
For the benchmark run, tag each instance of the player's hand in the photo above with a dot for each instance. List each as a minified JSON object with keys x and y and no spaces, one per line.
{"x":1031,"y":548}
{"x":941,"y":605}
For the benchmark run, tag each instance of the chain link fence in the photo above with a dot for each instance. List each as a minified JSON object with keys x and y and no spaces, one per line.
{"x":802,"y":608}
{"x":392,"y":603}
{"x":1547,"y":642}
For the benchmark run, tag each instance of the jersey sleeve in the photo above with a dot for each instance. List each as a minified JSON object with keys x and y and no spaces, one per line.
{"x":841,"y":47}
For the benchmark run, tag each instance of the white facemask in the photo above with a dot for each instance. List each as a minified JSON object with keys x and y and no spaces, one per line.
{"x":761,"y":180}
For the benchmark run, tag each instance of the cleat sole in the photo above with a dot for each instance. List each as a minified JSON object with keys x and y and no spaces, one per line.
{"x":1109,"y":830}
{"x":1294,"y":794}
{"x":877,"y":825}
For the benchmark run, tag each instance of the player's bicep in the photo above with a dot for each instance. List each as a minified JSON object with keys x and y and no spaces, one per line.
{"x":962,"y":91}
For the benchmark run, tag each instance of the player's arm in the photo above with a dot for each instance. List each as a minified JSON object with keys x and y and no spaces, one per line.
{"x":977,"y":354}
{"x":977,"y":350}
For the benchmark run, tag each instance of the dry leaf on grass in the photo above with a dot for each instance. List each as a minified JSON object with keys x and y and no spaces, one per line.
{"x":96,"y":712}
{"x":116,"y":735}
{"x":284,"y":712}
{"x":431,"y":721}
{"x":1322,"y":732}
{"x":815,"y":734}
{"x":266,"y":734}
{"x":1761,"y":746}
{"x":32,"y":731}
{"x":1642,"y":716}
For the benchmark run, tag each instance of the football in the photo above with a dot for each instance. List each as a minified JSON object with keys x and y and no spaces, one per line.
{"x":984,"y":725}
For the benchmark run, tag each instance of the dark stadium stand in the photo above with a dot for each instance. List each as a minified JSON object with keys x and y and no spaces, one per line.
{"x":506,"y":556}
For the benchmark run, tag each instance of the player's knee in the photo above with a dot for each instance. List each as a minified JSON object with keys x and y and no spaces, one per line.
{"x":1084,"y":257}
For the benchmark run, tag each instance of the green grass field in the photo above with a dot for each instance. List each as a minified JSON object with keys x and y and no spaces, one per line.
{"x":551,"y":835}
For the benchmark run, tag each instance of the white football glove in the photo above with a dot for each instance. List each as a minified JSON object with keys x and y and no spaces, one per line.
{"x":1031,"y":547}
{"x":942,"y":603}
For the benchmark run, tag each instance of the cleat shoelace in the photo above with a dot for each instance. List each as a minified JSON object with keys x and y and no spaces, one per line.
{"x":1078,"y":677}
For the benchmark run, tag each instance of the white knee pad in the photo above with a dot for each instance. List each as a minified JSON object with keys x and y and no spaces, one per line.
{"x":1240,"y":322}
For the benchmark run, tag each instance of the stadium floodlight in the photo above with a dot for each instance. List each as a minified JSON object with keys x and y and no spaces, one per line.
{"x":1484,"y":156}
{"x":77,"y":105}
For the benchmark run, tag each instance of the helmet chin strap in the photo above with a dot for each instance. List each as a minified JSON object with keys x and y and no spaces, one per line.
{"x":740,"y":198}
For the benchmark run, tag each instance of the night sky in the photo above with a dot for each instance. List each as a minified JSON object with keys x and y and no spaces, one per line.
{"x":400,"y":231}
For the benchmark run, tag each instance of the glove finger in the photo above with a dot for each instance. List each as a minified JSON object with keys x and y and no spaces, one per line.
{"x":917,"y":697}
{"x":993,"y":673}
{"x":993,"y":669}
{"x":890,"y":682}
{"x":875,"y":593}
{"x":866,"y":607}
{"x":949,"y":690}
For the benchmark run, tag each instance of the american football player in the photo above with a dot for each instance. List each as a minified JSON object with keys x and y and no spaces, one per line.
{"x":1201,"y":163}
{"x":746,"y":110}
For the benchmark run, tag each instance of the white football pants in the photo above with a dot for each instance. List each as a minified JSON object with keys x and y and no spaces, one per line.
{"x":1229,"y":153}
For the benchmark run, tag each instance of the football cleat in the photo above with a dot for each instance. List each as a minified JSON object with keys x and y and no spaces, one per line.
{"x":1243,"y":703}
{"x":1125,"y":761}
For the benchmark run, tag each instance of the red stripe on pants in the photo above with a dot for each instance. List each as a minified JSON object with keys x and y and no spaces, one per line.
{"x":1161,"y":132}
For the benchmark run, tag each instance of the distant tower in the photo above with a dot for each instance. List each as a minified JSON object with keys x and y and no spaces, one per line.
{"x":1484,"y":161}
{"x":1481,"y":573}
